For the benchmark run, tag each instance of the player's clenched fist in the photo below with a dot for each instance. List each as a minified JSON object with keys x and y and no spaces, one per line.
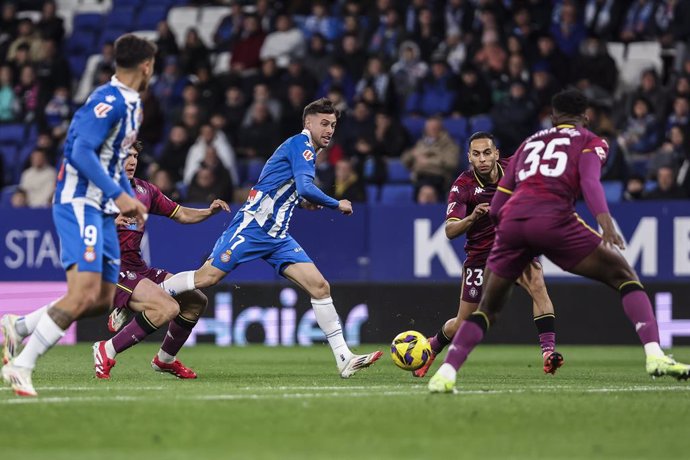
{"x":130,"y":207}
{"x":218,"y":206}
{"x":345,"y":206}
{"x":480,"y":210}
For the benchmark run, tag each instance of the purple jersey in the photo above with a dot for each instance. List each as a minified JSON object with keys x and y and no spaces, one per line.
{"x":468,"y":191}
{"x":130,"y":235}
{"x":544,"y":174}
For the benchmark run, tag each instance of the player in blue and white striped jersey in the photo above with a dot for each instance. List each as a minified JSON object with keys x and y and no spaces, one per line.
{"x":260,"y":230}
{"x":91,"y":190}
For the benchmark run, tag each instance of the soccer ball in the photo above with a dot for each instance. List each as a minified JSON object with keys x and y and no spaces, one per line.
{"x":410,"y":350}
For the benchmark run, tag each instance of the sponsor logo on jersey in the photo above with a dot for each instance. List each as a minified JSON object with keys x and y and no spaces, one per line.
{"x":90,"y":254}
{"x":110,"y":98}
{"x":450,"y":208}
{"x":297,"y":249}
{"x":308,"y":155}
{"x":478,"y":190}
{"x":101,"y":110}
{"x":601,"y":153}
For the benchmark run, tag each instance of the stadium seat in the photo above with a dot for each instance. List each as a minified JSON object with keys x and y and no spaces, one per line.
{"x":414,"y":126}
{"x":8,"y":154}
{"x":6,"y":195}
{"x":617,"y":52}
{"x":397,"y":172}
{"x":397,"y":194}
{"x":135,"y":4}
{"x":180,"y":19}
{"x":613,"y":191}
{"x":481,"y":123}
{"x":81,"y":42}
{"x":221,"y":62}
{"x":149,"y":17}
{"x":209,"y":19}
{"x":254,"y":168}
{"x":77,"y":64}
{"x":87,"y":22}
{"x":12,"y":134}
{"x":457,"y":128}
{"x":372,"y":194}
{"x":122,"y":18}
{"x":649,"y":185}
{"x":650,"y":51}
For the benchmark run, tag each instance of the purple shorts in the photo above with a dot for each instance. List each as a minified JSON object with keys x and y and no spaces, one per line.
{"x":128,"y":280}
{"x":566,"y":241}
{"x":472,"y":281}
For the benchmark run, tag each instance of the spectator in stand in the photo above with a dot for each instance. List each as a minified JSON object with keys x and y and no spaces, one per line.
{"x":163,"y":180}
{"x":434,"y":94}
{"x":387,"y":36}
{"x":266,"y":14}
{"x":338,"y":77}
{"x":455,"y":51}
{"x":320,"y":22}
{"x":169,"y":85}
{"x":351,"y":55}
{"x":390,"y":138}
{"x":602,"y":18}
{"x":210,"y":137}
{"x":89,"y":79}
{"x":569,"y":31}
{"x":246,"y":48}
{"x":26,"y":35}
{"x":408,"y":71}
{"x":151,"y":129}
{"x":174,"y":154}
{"x":194,"y":54}
{"x":209,"y":89}
{"x":652,"y":90}
{"x":234,"y":111}
{"x":553,"y":60}
{"x":595,"y":71}
{"x":166,"y":44}
{"x":206,"y":186}
{"x":230,"y":27}
{"x":291,"y":119}
{"x":336,"y":96}
{"x":377,"y":78}
{"x":474,"y":95}
{"x":47,"y":143}
{"x":369,"y":163}
{"x":191,"y":119}
{"x":285,"y":44}
{"x":641,"y":132}
{"x":522,"y":27}
{"x":680,"y":116}
{"x":356,"y":123}
{"x":667,"y":188}
{"x":458,"y":16}
{"x":491,"y":57}
{"x":427,"y":194}
{"x":8,"y":25}
{"x":681,"y":87}
{"x":297,"y":74}
{"x":674,"y":152}
{"x":19,"y":199}
{"x":638,"y":22}
{"x":50,"y":26}
{"x":318,"y":59}
{"x":544,"y":87}
{"x":260,"y":134}
{"x":52,"y":71}
{"x":262,"y":96}
{"x":428,"y":35}
{"x":38,"y":181}
{"x":514,"y":117}
{"x":27,"y":92}
{"x":434,"y":159}
{"x":634,"y":188}
{"x":324,"y":177}
{"x":57,"y":113}
{"x":347,"y":183}
{"x":9,"y":104}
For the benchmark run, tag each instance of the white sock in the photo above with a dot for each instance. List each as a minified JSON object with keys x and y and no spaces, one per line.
{"x":110,"y":349}
{"x":165,"y":357}
{"x":447,"y":371}
{"x":179,"y":283}
{"x":653,"y":349}
{"x":329,"y":323}
{"x":27,"y":324}
{"x":46,"y":334}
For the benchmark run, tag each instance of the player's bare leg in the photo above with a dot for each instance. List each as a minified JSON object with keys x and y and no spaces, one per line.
{"x":86,"y":293}
{"x":532,"y":280}
{"x":310,"y":279}
{"x":607,"y":264}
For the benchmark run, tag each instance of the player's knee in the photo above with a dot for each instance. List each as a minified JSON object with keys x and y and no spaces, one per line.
{"x":168,"y":308}
{"x":321,"y":289}
{"x":196,"y":305}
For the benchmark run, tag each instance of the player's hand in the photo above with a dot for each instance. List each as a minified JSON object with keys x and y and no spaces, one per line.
{"x":480,"y":210}
{"x":309,"y":206}
{"x":613,"y":238}
{"x":129,"y":206}
{"x":345,"y":206}
{"x":218,"y":206}
{"x":122,"y":220}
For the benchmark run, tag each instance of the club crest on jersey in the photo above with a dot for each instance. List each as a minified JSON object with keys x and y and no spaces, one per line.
{"x":478,"y":190}
{"x":474,"y":292}
{"x":131,"y":276}
{"x":101,"y":110}
{"x":225,"y":257}
{"x":90,"y":254}
{"x":141,"y":190}
{"x":308,"y":155}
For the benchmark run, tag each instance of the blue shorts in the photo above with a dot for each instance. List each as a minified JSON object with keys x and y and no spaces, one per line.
{"x":88,"y":239}
{"x":242,"y":242}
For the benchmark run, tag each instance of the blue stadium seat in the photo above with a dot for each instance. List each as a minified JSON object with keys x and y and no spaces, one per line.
{"x":182,"y":188}
{"x":12,"y":134}
{"x":81,"y":42}
{"x":254,"y":168}
{"x":6,"y":195}
{"x":414,"y":126}
{"x":150,"y":16}
{"x":457,"y":128}
{"x":649,"y":185}
{"x":128,"y":4}
{"x":77,"y":64}
{"x":110,"y":35}
{"x":20,"y":160}
{"x":481,"y":123}
{"x":8,"y":153}
{"x":122,"y":18}
{"x":87,"y":22}
{"x":613,"y":190}
{"x":372,"y":194}
{"x":397,"y":172}
{"x":397,"y":194}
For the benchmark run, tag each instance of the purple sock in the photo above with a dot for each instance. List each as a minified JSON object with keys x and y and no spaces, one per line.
{"x":133,"y":333}
{"x":468,"y":336}
{"x":547,"y":340}
{"x":638,"y":308}
{"x":439,"y":342}
{"x":178,"y":332}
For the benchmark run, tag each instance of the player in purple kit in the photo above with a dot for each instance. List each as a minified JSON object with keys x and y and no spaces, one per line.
{"x":535,"y":214}
{"x":138,"y":287}
{"x":467,"y":213}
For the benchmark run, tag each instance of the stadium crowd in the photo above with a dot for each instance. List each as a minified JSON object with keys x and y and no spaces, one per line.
{"x":413,"y":80}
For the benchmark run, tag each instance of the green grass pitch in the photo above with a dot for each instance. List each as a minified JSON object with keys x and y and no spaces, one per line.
{"x":285,"y":403}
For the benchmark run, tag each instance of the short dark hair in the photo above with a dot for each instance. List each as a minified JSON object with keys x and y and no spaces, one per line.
{"x":322,"y":105}
{"x":570,"y":102}
{"x":138,"y":146}
{"x":130,"y":51}
{"x":482,"y":135}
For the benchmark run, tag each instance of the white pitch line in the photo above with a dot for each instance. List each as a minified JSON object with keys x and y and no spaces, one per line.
{"x":331,"y":394}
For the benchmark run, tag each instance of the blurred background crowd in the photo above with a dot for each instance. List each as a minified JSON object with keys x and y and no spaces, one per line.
{"x":413,"y":80}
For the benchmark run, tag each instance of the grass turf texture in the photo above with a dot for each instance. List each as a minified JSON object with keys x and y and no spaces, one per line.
{"x":257,"y":402}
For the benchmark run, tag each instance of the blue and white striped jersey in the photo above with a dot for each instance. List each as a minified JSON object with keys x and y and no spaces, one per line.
{"x":273,"y":198}
{"x":108,"y":122}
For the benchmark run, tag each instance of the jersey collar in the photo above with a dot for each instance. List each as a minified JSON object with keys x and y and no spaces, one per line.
{"x":308,"y":134}
{"x":130,"y":95}
{"x":565,"y":125}
{"x":500,"y":175}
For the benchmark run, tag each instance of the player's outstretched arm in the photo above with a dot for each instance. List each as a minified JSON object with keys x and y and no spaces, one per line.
{"x":186,"y":215}
{"x":310,"y":192}
{"x":456,"y":227}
